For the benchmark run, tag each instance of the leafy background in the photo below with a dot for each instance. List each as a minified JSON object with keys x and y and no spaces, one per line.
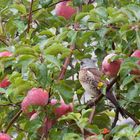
{"x":105,"y":26}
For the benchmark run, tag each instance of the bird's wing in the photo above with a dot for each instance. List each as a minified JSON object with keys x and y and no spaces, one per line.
{"x":96,"y":74}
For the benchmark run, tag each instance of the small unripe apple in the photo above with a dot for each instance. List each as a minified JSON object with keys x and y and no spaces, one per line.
{"x":63,"y":9}
{"x":4,"y":136}
{"x":35,"y":96}
{"x":111,"y":68}
{"x":5,"y":54}
{"x":4,"y":83}
{"x":63,"y":109}
{"x":136,"y":54}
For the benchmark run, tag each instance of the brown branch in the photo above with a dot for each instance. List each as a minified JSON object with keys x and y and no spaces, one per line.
{"x":13,"y":120}
{"x":66,"y":63}
{"x":4,"y":42}
{"x":91,"y":1}
{"x":30,"y":16}
{"x":109,"y":86}
{"x":100,"y":96}
{"x":132,"y":117}
{"x":115,"y":119}
{"x":20,"y":129}
{"x":10,"y":104}
{"x":111,"y":83}
{"x":92,"y":114}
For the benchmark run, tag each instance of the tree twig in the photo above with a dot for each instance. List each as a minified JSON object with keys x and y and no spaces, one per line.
{"x":30,"y":16}
{"x":132,"y":117}
{"x":91,"y":1}
{"x":92,"y":114}
{"x":66,"y":63}
{"x":10,"y":104}
{"x":115,"y":119}
{"x":13,"y":120}
{"x":109,"y":86}
{"x":4,"y":42}
{"x":100,"y":96}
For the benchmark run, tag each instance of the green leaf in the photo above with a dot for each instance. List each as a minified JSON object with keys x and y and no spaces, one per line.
{"x":65,"y":91}
{"x":25,"y":50}
{"x":72,"y":136}
{"x":57,"y":48}
{"x":128,"y":80}
{"x":102,"y":120}
{"x":53,"y":59}
{"x":138,"y":39}
{"x":80,"y":15}
{"x":42,"y":76}
{"x":20,"y":7}
{"x":101,"y":11}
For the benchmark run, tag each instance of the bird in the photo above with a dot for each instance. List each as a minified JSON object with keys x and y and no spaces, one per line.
{"x":90,"y":78}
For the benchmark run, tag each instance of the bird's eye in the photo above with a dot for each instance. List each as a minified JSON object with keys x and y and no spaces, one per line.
{"x":82,"y":62}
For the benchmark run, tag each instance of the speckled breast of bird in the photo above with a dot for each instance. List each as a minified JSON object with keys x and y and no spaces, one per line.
{"x":88,"y":82}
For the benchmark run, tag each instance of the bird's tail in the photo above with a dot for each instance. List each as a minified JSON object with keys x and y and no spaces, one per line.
{"x":113,"y":100}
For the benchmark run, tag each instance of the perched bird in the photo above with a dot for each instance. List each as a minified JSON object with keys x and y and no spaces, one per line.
{"x":90,"y":78}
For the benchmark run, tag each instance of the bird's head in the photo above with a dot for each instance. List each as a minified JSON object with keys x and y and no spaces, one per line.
{"x":88,"y":63}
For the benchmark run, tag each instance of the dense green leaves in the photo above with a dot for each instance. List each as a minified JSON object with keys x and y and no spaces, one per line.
{"x":41,"y":43}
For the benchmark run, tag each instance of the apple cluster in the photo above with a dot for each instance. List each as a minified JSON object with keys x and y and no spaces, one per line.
{"x":40,"y":97}
{"x":111,"y":68}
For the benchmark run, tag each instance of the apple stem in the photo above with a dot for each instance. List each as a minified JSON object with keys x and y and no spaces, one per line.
{"x":13,"y":120}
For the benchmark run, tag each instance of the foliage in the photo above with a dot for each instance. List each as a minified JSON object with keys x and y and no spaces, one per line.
{"x":39,"y":51}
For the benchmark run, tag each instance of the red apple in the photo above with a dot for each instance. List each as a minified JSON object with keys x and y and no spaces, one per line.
{"x":136,"y":54}
{"x":4,"y":136}
{"x":4,"y":83}
{"x":35,"y":96}
{"x":5,"y":54}
{"x":34,"y":116}
{"x":111,"y":68}
{"x":63,"y":9}
{"x":58,"y":111}
{"x":47,"y":125}
{"x":63,"y":109}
